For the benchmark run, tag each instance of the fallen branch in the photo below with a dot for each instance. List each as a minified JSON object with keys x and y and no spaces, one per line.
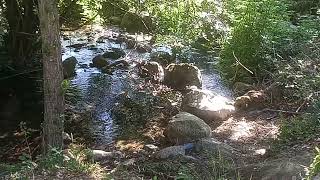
{"x":304,"y":102}
{"x":237,"y":60}
{"x":282,"y":111}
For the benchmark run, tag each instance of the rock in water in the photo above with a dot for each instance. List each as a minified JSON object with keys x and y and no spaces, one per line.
{"x":163,"y":56}
{"x":69,"y":67}
{"x":114,"y":53}
{"x":206,"y":105}
{"x":185,"y":127}
{"x":152,"y":70}
{"x":179,"y":76}
{"x":170,"y":152}
{"x":99,"y":61}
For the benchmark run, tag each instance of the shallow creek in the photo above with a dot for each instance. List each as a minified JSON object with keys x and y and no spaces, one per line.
{"x":101,"y":90}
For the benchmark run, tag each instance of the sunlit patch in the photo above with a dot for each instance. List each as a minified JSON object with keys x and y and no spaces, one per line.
{"x":215,"y":103}
{"x":260,"y":151}
{"x":241,"y":130}
{"x":130,"y":145}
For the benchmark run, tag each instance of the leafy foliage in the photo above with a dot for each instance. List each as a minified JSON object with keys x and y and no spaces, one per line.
{"x":71,"y":13}
{"x":262,"y":38}
{"x":301,"y":128}
{"x":78,"y":162}
{"x":314,"y":168}
{"x":258,"y":29}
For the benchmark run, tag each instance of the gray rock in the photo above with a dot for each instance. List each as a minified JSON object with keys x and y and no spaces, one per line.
{"x":213,"y":146}
{"x":151,"y":147}
{"x":185,"y":127}
{"x":120,"y":63}
{"x":153,"y":70}
{"x":114,"y":53}
{"x":282,"y":169}
{"x":208,"y":106}
{"x":179,"y":76}
{"x":170,"y":152}
{"x":99,"y":155}
{"x":317,"y":177}
{"x":99,"y":62}
{"x":69,"y":67}
{"x":163,"y":56}
{"x":143,"y":48}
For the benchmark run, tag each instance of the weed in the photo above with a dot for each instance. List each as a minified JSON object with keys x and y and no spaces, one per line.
{"x":314,"y":168}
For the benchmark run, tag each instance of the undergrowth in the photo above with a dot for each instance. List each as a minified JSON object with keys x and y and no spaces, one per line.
{"x":301,"y":128}
{"x":76,"y":162}
{"x":314,"y":168}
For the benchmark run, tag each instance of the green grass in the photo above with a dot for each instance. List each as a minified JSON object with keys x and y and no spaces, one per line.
{"x":78,"y":163}
{"x":314,"y":168}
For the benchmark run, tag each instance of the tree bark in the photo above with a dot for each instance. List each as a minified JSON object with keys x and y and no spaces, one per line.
{"x":52,"y":75}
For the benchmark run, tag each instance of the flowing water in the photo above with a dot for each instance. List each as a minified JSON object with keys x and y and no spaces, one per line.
{"x":101,"y":90}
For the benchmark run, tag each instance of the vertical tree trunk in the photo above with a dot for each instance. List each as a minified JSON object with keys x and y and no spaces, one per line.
{"x":52,"y":75}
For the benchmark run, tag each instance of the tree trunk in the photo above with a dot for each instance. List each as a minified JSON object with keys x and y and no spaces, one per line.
{"x":52,"y":75}
{"x":23,"y":25}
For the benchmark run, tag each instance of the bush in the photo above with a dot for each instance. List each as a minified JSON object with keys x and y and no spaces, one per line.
{"x":113,"y":9}
{"x":54,"y":163}
{"x":258,"y":28}
{"x":301,"y":128}
{"x":186,"y":21}
{"x":71,"y":13}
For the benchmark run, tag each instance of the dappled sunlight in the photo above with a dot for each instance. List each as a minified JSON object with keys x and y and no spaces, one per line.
{"x":215,"y":103}
{"x":129,"y":145}
{"x":242,"y":130}
{"x":245,"y":130}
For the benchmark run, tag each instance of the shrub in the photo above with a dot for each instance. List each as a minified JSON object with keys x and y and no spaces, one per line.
{"x":71,"y":13}
{"x":258,"y":28}
{"x":111,"y":9}
{"x":301,"y":128}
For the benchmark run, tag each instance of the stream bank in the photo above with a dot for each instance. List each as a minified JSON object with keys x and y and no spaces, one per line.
{"x":128,"y":115}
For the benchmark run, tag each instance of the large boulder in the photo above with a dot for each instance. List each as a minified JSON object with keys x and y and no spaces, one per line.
{"x":99,"y":61}
{"x":69,"y":67}
{"x":152,"y":70}
{"x":114,"y":53}
{"x":162,"y":55}
{"x":208,"y":106}
{"x":132,"y":22}
{"x":179,"y":76}
{"x":185,"y":127}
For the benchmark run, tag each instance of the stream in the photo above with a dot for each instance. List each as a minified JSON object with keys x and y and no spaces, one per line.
{"x":100,"y":91}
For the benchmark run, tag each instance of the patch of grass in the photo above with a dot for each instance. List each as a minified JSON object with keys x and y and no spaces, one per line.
{"x":301,"y":128}
{"x":314,"y":168}
{"x":206,"y":166}
{"x":76,"y":162}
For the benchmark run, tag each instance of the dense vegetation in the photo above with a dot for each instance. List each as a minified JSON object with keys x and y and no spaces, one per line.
{"x":263,"y":43}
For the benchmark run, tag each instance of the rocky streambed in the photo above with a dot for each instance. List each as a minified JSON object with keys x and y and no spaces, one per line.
{"x":147,"y":115}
